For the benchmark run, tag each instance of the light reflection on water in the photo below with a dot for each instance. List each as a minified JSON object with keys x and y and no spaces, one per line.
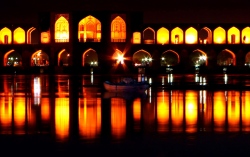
{"x":62,"y":105}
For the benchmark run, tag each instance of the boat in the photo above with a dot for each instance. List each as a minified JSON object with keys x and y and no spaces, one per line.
{"x":126,"y":85}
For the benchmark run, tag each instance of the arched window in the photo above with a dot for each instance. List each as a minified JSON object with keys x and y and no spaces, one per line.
{"x":61,"y":30}
{"x":162,"y":36}
{"x":5,"y":36}
{"x":118,"y":30}
{"x":149,"y":36}
{"x":89,"y":30}
{"x":19,"y":36}
{"x":245,"y":35}
{"x":136,"y":37}
{"x":191,"y":36}
{"x":177,"y":36}
{"x":29,"y":39}
{"x":219,"y":36}
{"x":226,"y":58}
{"x":205,"y":36}
{"x":90,"y":58}
{"x":233,"y":36}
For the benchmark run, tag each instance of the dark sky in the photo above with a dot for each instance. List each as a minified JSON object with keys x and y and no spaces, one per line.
{"x":179,"y":11}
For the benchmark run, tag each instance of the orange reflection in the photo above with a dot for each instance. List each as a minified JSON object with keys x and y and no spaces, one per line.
{"x":62,"y":117}
{"x":233,"y":111}
{"x":19,"y":115}
{"x":45,"y":110}
{"x":5,"y":114}
{"x":90,"y":117}
{"x":177,"y":111}
{"x":137,"y":113}
{"x":246,"y":111}
{"x":191,"y":111}
{"x":219,"y":110}
{"x":162,"y":111}
{"x":118,"y":117}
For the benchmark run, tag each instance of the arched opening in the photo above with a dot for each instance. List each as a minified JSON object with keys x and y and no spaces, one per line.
{"x":142,"y":58}
{"x":247,"y":59}
{"x":162,"y":36}
{"x":149,"y":36}
{"x":198,"y":58}
{"x":170,"y":58}
{"x":12,"y":58}
{"x":89,"y":29}
{"x":177,"y":36}
{"x":5,"y":36}
{"x":191,"y":36}
{"x":233,"y":36}
{"x":90,"y":58}
{"x":39,"y":58}
{"x":205,"y":36}
{"x":19,"y":36}
{"x":61,"y":30}
{"x":29,"y":36}
{"x":118,"y":30}
{"x":226,"y":58}
{"x":63,"y":58}
{"x":136,"y":37}
{"x":219,"y":36}
{"x":245,"y":35}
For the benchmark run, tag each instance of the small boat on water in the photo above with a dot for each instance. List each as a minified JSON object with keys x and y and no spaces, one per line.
{"x":126,"y":85}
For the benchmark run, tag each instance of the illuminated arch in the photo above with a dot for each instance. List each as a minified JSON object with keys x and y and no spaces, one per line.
{"x":63,"y":58}
{"x":163,"y":36}
{"x":142,"y":58}
{"x":19,"y":36}
{"x":136,"y":37}
{"x":5,"y":36}
{"x":247,"y":58}
{"x":233,"y":36}
{"x":39,"y":58}
{"x":177,"y":36}
{"x":12,"y":58}
{"x":191,"y":35}
{"x":219,"y":36}
{"x":28,"y":37}
{"x":245,"y":35}
{"x":226,"y":58}
{"x":205,"y":36}
{"x":149,"y":36}
{"x":90,"y":58}
{"x":170,"y":58}
{"x":89,"y":29}
{"x":61,"y":30}
{"x":118,"y":30}
{"x":199,"y":57}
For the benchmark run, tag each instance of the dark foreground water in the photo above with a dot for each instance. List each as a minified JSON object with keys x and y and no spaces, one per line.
{"x":180,"y":115}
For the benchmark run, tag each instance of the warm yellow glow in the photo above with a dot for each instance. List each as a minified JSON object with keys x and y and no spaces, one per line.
{"x":19,"y":115}
{"x":5,"y":115}
{"x":177,"y":111}
{"x":149,"y":36}
{"x":219,"y":110}
{"x":5,"y":36}
{"x":89,"y":29}
{"x":29,"y":37}
{"x":177,"y":36}
{"x":233,"y":36}
{"x":219,"y":36}
{"x":45,"y":110}
{"x":45,"y":37}
{"x":19,"y":36}
{"x":136,"y":38}
{"x":162,"y":111}
{"x":191,"y":111}
{"x":61,"y":30}
{"x":119,"y":57}
{"x":118,"y":30}
{"x":62,"y":118}
{"x":191,"y":36}
{"x":246,"y":111}
{"x":162,"y":36}
{"x":233,"y":111}
{"x":90,"y":117}
{"x":118,"y":117}
{"x":142,"y":58}
{"x":39,"y":58}
{"x":137,"y":109}
{"x":245,"y":35}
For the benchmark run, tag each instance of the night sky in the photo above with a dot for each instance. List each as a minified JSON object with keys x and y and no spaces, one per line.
{"x":155,"y":11}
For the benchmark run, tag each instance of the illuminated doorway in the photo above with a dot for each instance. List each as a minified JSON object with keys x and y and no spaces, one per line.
{"x":205,"y":36}
{"x":5,"y":36}
{"x":142,"y":58}
{"x":219,"y":36}
{"x":233,"y":36}
{"x":61,"y":30}
{"x":162,"y":36}
{"x":90,"y":58}
{"x":118,"y":30}
{"x":39,"y":58}
{"x":245,"y":35}
{"x":191,"y":36}
{"x":19,"y":36}
{"x":177,"y":36}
